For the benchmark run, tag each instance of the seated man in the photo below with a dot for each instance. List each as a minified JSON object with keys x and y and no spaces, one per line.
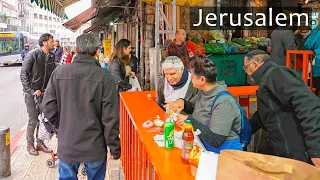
{"x":176,"y":82}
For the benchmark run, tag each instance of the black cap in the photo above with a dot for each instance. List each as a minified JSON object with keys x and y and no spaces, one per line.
{"x":255,"y":52}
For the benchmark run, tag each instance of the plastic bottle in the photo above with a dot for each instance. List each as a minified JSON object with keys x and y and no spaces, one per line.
{"x":187,"y":141}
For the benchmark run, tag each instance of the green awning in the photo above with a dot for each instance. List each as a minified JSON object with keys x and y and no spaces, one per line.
{"x":55,"y":6}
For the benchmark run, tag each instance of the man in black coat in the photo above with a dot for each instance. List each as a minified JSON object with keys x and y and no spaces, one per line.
{"x":35,"y":73}
{"x":81,"y":99}
{"x":287,"y":109}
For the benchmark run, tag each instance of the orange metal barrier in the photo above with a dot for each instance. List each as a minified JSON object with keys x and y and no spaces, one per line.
{"x":301,"y":60}
{"x":141,"y":157}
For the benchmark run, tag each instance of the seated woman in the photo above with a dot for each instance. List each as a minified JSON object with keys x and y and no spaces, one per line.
{"x":176,"y":82}
{"x":217,"y":122}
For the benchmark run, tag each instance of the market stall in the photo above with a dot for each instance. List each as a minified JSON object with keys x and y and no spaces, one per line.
{"x":227,"y":54}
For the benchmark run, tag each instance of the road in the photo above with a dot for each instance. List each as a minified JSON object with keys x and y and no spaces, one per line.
{"x":13,"y":113}
{"x":12,"y":58}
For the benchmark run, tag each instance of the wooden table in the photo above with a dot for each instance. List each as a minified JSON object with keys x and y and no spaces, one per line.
{"x":139,"y":151}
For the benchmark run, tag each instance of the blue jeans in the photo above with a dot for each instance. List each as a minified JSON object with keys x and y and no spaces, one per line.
{"x":96,"y":170}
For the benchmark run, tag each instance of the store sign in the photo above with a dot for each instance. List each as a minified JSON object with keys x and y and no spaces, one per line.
{"x":7,"y":35}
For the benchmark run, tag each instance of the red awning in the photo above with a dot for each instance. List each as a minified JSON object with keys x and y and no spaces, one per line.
{"x":76,"y":22}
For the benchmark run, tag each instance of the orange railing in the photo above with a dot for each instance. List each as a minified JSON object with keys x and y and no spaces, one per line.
{"x":141,"y":157}
{"x":301,"y":60}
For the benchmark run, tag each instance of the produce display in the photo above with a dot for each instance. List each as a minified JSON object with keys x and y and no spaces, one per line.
{"x":217,"y":35}
{"x":196,"y":40}
{"x":228,"y":48}
{"x":254,"y":40}
{"x":214,"y":48}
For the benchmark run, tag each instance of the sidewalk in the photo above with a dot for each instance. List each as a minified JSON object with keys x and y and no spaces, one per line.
{"x":27,"y":167}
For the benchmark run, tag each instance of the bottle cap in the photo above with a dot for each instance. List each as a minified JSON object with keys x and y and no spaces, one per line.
{"x":187,"y":121}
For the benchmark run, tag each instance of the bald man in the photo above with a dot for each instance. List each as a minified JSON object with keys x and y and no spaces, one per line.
{"x":178,"y":47}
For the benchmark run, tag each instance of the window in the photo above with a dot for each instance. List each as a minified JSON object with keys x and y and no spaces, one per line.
{"x":54,"y":19}
{"x":50,"y":26}
{"x":45,"y":25}
{"x":45,"y":17}
{"x":54,"y":26}
{"x":35,"y":24}
{"x":40,"y":16}
{"x":50,"y":18}
{"x":40,"y":25}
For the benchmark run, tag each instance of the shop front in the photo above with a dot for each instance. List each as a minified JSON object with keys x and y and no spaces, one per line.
{"x":11,"y":43}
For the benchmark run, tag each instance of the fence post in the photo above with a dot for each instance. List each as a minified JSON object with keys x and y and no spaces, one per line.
{"x":5,"y":165}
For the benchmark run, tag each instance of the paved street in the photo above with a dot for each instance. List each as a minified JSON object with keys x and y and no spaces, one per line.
{"x":12,"y":107}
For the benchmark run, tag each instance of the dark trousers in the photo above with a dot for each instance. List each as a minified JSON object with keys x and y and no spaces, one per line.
{"x":33,"y":119}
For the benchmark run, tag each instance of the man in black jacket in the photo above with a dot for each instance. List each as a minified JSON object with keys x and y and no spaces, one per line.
{"x":81,"y":99}
{"x":287,"y":109}
{"x":35,"y":73}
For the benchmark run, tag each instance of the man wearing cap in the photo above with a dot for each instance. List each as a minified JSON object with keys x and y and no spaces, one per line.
{"x":24,"y":51}
{"x":176,"y":82}
{"x":58,"y":50}
{"x":287,"y":109}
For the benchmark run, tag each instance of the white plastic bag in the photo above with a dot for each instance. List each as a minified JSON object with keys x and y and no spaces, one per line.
{"x":135,"y":84}
{"x":43,"y":133}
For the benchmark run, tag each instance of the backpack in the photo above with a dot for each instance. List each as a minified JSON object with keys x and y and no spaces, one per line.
{"x":245,"y":126}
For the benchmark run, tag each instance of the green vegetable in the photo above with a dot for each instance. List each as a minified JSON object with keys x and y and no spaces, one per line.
{"x":196,"y":40}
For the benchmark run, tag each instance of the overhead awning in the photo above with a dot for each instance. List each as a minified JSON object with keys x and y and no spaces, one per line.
{"x":103,"y":22}
{"x":55,"y":6}
{"x":76,"y":22}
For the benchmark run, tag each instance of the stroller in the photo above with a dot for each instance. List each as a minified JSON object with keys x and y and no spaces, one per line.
{"x":45,"y":131}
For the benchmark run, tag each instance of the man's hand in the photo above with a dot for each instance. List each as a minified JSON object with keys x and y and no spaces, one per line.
{"x":175,"y":106}
{"x":37,"y":93}
{"x":316,"y":162}
{"x":180,"y":120}
{"x":132,"y":74}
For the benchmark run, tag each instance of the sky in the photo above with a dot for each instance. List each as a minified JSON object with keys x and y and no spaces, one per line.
{"x":77,"y":8}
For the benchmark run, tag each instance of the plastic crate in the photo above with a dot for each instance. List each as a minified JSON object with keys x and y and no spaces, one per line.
{"x":230,"y":68}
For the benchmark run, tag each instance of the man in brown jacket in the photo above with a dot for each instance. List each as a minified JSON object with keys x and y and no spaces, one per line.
{"x":178,"y":47}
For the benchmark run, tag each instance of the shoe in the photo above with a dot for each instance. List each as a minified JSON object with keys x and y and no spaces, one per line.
{"x":32,"y":150}
{"x":44,"y":148}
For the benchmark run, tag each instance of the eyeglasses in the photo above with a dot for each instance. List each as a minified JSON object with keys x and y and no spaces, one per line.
{"x":245,"y":67}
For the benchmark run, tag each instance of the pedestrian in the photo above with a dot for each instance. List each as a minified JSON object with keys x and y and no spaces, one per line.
{"x":287,"y":109}
{"x":66,"y":56}
{"x":81,"y":98}
{"x":58,"y":51}
{"x":218,"y":120}
{"x":313,"y":43}
{"x":119,"y":65}
{"x":178,"y":47}
{"x":35,"y":73}
{"x":25,"y":51}
{"x":282,"y":39}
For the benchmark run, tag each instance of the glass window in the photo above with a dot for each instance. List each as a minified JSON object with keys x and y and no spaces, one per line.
{"x":40,"y":25}
{"x":40,"y":16}
{"x":50,"y":26}
{"x":45,"y":25}
{"x":35,"y":24}
{"x":54,"y":19}
{"x":45,"y":17}
{"x":50,"y":18}
{"x":35,"y":16}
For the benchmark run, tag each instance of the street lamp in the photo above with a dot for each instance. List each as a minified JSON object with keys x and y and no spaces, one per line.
{"x":111,"y":23}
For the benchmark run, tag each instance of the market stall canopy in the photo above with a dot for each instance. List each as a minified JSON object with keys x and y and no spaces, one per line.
{"x":75,"y":23}
{"x":55,"y":6}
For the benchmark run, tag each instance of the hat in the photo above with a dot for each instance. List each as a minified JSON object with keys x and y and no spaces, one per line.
{"x":255,"y":52}
{"x":172,"y":62}
{"x":26,"y":45}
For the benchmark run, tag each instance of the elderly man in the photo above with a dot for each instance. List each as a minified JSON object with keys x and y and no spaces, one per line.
{"x":82,"y":99}
{"x":177,"y":82}
{"x":287,"y":109}
{"x":178,"y":47}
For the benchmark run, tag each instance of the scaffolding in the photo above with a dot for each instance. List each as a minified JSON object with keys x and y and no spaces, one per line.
{"x":166,"y":28}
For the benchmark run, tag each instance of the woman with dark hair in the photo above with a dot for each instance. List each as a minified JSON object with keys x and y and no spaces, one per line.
{"x":218,"y":119}
{"x":119,"y":65}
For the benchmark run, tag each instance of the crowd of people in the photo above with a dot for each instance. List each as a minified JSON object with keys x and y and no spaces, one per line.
{"x":82,"y":99}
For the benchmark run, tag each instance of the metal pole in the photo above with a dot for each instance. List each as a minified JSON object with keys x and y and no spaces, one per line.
{"x":5,"y":164}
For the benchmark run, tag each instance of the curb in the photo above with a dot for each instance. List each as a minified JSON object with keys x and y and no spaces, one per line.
{"x":14,"y":142}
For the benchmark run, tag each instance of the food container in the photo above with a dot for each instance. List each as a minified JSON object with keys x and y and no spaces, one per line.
{"x":158,"y":123}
